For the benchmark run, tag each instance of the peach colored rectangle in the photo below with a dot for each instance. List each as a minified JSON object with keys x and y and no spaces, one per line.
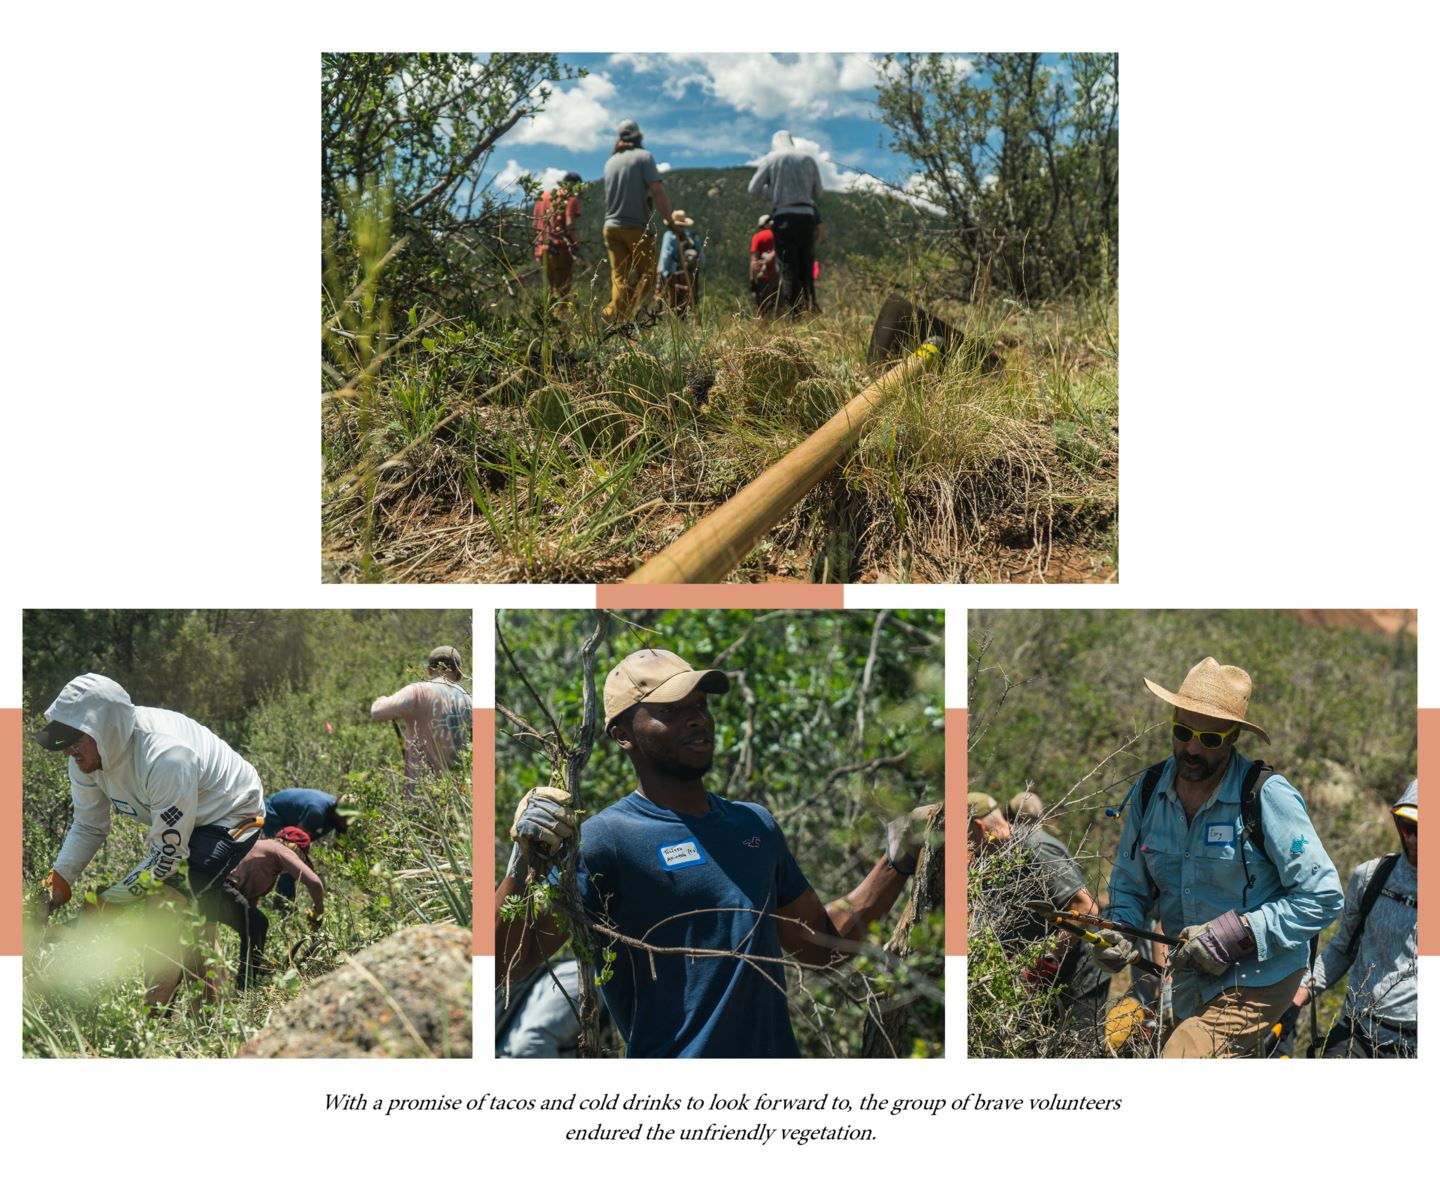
{"x":10,"y":772}
{"x":1429,"y":733}
{"x":482,"y":884}
{"x":776,"y":595}
{"x":957,"y":728}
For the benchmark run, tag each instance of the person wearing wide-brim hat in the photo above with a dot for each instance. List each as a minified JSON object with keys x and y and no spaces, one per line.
{"x":681,"y":255}
{"x":696,"y":896}
{"x":1377,"y":944}
{"x":1246,"y":908}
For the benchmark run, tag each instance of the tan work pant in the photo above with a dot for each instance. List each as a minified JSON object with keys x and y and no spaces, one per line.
{"x":559,"y":270}
{"x":633,"y":253}
{"x":1230,"y":1024}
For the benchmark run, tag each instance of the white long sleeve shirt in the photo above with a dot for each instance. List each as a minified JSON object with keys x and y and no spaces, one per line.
{"x":157,"y":767}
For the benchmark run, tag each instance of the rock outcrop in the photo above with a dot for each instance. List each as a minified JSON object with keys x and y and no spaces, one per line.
{"x":407,"y":996}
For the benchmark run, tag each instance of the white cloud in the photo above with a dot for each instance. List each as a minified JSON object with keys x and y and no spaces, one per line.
{"x":663,"y":167}
{"x":812,"y":86}
{"x":575,"y":119}
{"x":508,"y":178}
{"x":834,"y":176}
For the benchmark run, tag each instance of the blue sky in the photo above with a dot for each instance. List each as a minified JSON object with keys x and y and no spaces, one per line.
{"x":708,"y":110}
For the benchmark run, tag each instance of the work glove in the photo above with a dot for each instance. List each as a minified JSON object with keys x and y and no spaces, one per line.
{"x":54,"y":893}
{"x":904,"y":837}
{"x":543,"y":821}
{"x":1117,"y":951}
{"x":1214,"y":946}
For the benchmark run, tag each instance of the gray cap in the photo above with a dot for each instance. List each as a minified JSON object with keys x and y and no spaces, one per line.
{"x":629,"y":131}
{"x":1026,"y":806}
{"x":446,"y":656}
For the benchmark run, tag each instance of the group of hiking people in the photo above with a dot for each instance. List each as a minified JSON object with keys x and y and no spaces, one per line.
{"x":1219,"y":890}
{"x":212,"y":836}
{"x":782,"y":270}
{"x":697,"y":898}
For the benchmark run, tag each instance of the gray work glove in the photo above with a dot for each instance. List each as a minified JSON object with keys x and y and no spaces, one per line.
{"x":1117,"y":952}
{"x":543,"y":821}
{"x":1214,"y":946}
{"x":904,"y":837}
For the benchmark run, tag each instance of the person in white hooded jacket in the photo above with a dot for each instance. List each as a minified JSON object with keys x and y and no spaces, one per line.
{"x":202,"y":803}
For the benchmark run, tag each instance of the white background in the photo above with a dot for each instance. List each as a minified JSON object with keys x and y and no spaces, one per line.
{"x":160,"y":448}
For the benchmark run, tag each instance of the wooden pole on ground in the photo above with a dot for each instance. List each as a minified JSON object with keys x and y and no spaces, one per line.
{"x":715,"y":546}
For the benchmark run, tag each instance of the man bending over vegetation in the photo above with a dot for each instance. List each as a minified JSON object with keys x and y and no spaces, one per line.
{"x":696,"y":894}
{"x":1043,"y":869}
{"x":288,"y":855}
{"x":200,"y":800}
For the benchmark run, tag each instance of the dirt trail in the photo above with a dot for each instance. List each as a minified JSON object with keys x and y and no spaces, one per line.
{"x":1390,"y":621}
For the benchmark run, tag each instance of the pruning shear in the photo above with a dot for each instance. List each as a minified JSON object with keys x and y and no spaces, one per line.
{"x":1045,"y":910}
{"x":1065,"y":920}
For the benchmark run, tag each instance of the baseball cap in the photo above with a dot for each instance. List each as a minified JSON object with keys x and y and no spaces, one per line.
{"x":628,"y":131}
{"x":449,"y":655}
{"x":656,"y":677}
{"x":978,"y":806}
{"x":56,"y":736}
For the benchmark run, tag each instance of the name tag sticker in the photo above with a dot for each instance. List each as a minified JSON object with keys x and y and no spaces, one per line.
{"x":1220,"y":834}
{"x":680,"y":855}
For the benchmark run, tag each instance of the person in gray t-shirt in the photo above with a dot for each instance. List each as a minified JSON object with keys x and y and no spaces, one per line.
{"x":632,"y":185}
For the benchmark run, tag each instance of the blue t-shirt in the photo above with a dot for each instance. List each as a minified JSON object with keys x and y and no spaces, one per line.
{"x":298,"y":807}
{"x":640,"y":867}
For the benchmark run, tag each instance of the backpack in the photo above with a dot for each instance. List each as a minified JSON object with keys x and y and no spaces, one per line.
{"x":1251,"y":816}
{"x":550,"y":219}
{"x":1373,"y":889}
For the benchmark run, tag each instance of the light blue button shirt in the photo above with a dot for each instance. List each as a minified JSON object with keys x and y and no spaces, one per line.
{"x":1190,"y":873}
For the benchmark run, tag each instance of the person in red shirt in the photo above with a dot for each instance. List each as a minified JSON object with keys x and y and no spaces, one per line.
{"x":764,"y":275}
{"x":557,"y":233}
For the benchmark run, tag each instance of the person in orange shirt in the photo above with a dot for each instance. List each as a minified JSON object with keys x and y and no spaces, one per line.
{"x":557,"y":233}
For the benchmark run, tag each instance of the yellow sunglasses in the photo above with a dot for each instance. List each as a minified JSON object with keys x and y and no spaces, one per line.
{"x":1211,"y":740}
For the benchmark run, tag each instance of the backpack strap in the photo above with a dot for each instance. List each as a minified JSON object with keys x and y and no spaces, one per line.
{"x":1373,"y":889}
{"x":1252,"y":818}
{"x":1147,"y":791}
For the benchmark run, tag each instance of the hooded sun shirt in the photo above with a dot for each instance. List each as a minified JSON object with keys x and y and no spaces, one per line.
{"x":788,"y":177}
{"x":159,"y":768}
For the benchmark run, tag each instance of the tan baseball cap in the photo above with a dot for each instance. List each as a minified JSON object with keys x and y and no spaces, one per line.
{"x":656,"y":677}
{"x":449,"y":656}
{"x":978,"y":805}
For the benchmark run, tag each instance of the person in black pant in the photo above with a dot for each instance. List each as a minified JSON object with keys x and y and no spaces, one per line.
{"x":790,"y":179}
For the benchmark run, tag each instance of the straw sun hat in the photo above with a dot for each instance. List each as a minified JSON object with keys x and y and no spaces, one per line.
{"x":1213,"y":690}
